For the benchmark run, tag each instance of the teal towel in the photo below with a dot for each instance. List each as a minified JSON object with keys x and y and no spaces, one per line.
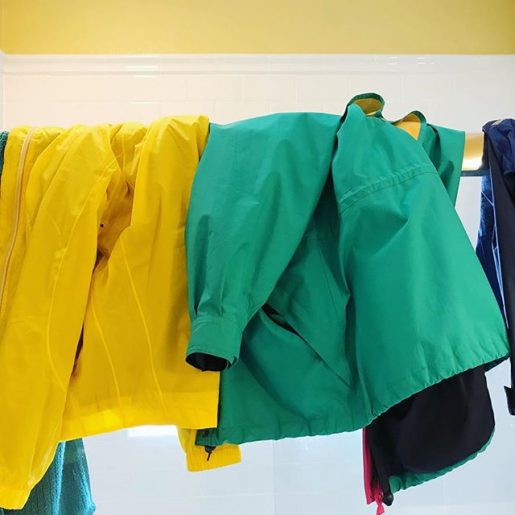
{"x":65,"y":488}
{"x":3,"y":142}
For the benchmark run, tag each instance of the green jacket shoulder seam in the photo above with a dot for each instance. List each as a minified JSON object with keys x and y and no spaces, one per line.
{"x":351,"y":198}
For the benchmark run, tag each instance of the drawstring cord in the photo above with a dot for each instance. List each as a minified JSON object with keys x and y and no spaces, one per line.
{"x":209,"y":449}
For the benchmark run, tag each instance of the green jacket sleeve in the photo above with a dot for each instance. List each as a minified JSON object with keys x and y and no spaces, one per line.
{"x":253,"y":197}
{"x":421,"y":309}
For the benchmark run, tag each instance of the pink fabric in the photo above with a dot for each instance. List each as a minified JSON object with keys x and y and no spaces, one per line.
{"x":373,"y":491}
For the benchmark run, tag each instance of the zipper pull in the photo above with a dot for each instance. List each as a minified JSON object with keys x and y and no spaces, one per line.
{"x":209,"y":449}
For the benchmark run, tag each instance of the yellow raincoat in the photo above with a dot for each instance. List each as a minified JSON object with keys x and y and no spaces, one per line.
{"x":93,"y":295}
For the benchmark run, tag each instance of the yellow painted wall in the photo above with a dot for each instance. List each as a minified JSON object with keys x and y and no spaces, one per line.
{"x":259,"y":26}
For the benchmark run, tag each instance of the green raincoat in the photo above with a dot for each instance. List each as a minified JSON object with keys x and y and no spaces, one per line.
{"x":330,"y":276}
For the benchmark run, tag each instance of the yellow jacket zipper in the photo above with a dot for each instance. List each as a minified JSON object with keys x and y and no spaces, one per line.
{"x":17,"y":212}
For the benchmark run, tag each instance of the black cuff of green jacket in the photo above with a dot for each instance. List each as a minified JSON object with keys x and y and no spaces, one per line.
{"x":214,"y":344}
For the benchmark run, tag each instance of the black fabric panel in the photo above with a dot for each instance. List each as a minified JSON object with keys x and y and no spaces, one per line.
{"x":434,"y":429}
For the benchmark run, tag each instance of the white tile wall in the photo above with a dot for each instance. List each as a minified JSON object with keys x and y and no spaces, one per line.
{"x":308,"y":476}
{"x":462,"y":91}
